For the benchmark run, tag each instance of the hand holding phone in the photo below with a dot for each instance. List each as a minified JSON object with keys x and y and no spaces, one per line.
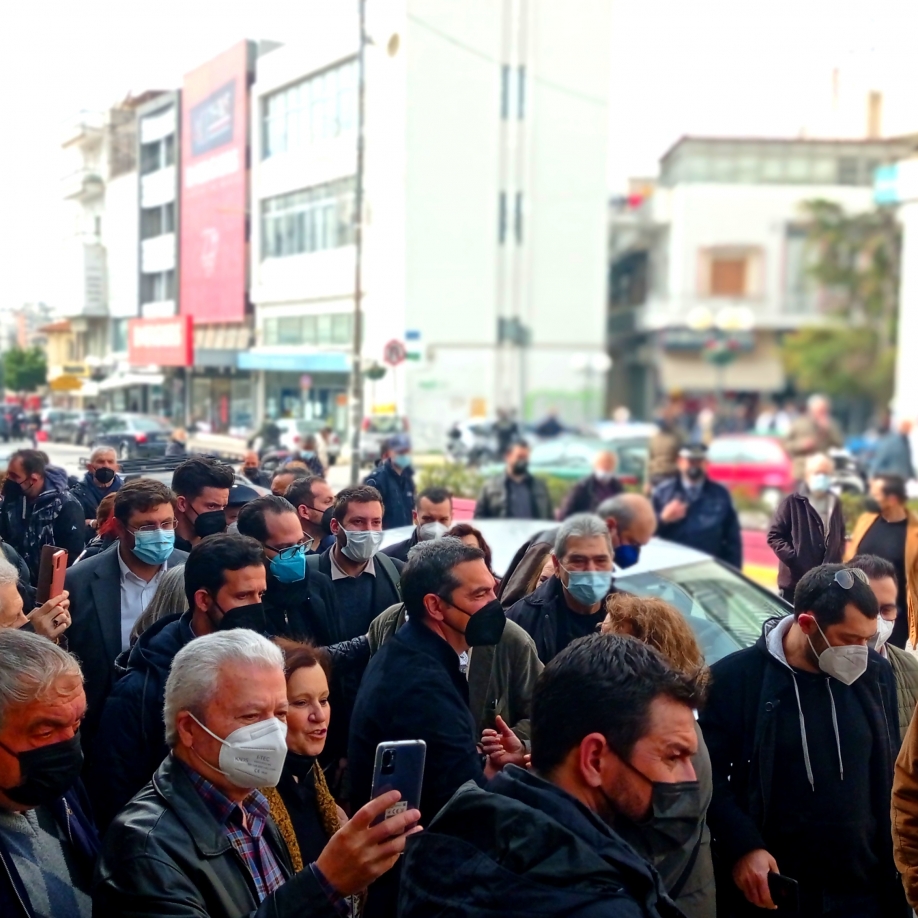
{"x":52,"y":619}
{"x":52,"y":568}
{"x":399,"y":766}
{"x":785,"y":892}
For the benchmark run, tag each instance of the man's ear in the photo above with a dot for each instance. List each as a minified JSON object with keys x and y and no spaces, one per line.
{"x":592,"y":748}
{"x":414,"y":517}
{"x":556,"y":564}
{"x":432,"y":605}
{"x":335,"y":526}
{"x":201,"y":599}
{"x":181,"y":504}
{"x":807,"y":623}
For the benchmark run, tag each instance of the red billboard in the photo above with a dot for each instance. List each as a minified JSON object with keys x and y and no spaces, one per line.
{"x":214,"y":188}
{"x":164,"y":342}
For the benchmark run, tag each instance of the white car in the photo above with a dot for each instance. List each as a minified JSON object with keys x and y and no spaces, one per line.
{"x":725,"y":608}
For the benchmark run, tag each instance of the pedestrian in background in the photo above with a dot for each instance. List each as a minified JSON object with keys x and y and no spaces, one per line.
{"x":808,"y":528}
{"x":889,"y":530}
{"x":813,"y":432}
{"x":101,"y":479}
{"x":394,"y":479}
{"x":664,"y":448}
{"x":515,"y":493}
{"x":893,"y":453}
{"x":597,"y":487}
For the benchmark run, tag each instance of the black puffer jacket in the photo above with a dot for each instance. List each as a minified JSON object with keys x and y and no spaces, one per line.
{"x":397,"y":489}
{"x":165,"y":854}
{"x":525,"y":847}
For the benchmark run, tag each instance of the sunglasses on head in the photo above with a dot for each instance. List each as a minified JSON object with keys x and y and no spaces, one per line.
{"x":845,"y":577}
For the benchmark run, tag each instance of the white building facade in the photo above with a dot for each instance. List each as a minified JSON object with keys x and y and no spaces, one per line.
{"x":484,"y":211}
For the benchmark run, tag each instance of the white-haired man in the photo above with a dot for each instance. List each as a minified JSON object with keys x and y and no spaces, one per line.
{"x":199,"y":839}
{"x":48,"y":844}
{"x":101,"y":479}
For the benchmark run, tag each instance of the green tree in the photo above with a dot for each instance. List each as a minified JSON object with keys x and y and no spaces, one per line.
{"x":854,"y":260}
{"x":24,"y":370}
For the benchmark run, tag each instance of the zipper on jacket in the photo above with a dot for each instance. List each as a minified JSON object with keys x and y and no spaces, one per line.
{"x":67,"y":814}
{"x":6,"y":867}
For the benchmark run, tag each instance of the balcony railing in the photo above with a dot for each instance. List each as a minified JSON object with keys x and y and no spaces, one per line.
{"x":82,"y":185}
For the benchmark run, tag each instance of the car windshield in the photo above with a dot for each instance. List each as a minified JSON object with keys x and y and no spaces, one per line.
{"x":385,"y":424}
{"x":725,"y":611}
{"x":148,"y":425}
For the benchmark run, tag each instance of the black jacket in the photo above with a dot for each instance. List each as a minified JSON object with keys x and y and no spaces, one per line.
{"x":413,"y":689}
{"x":588,"y":494}
{"x":89,"y":494}
{"x":71,"y":812}
{"x":131,"y":730}
{"x":28,"y":526}
{"x":538,"y":615}
{"x":94,"y":636}
{"x":800,"y":541}
{"x":710,"y":525}
{"x":739,"y":724}
{"x":304,"y":611}
{"x":165,"y":854}
{"x":525,"y":847}
{"x":494,"y":504}
{"x":397,"y":493}
{"x":400,"y":550}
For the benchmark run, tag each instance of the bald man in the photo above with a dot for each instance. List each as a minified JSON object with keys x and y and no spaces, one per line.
{"x":631,"y":522}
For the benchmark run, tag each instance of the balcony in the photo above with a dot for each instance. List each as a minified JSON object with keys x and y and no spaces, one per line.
{"x":82,"y":185}
{"x":84,"y":127}
{"x":84,"y":280}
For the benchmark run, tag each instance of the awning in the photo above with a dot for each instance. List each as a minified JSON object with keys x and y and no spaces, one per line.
{"x":294,"y":361}
{"x":223,"y":337}
{"x":755,"y":372}
{"x":126,"y":380}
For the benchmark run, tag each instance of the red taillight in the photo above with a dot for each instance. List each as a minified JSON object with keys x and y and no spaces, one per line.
{"x":141,"y":438}
{"x":365,"y":425}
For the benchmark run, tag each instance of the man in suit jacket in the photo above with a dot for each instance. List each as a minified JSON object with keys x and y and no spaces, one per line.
{"x":109,"y":591}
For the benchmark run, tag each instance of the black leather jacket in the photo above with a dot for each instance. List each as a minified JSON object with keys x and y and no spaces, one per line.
{"x":165,"y":854}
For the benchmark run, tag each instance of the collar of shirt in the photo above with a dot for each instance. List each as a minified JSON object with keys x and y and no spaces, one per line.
{"x":253,"y":811}
{"x":126,"y":572}
{"x":338,"y":574}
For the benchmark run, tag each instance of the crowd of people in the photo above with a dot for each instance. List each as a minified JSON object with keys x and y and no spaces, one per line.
{"x":167,"y":744}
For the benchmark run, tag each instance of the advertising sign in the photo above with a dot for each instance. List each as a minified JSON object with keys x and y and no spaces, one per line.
{"x":164,"y":342}
{"x":214,"y":188}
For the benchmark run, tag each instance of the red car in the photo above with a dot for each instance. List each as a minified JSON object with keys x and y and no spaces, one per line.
{"x":758,"y":466}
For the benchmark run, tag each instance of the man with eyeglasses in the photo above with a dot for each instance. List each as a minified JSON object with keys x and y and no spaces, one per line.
{"x":110,"y":591}
{"x":803,"y":731}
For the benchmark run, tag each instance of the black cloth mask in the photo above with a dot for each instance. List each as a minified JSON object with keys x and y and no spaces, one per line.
{"x":695,"y":473}
{"x":210,"y":523}
{"x":872,"y":505}
{"x":521,"y":467}
{"x":104,"y":475}
{"x":47,"y":772}
{"x":326,"y":520}
{"x":251,"y":616}
{"x":12,"y":490}
{"x":486,"y":626}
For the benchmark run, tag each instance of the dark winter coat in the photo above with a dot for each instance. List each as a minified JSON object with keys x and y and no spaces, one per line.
{"x":493,"y":503}
{"x":710,"y":524}
{"x":72,"y":813}
{"x":893,"y":456}
{"x":739,"y":726}
{"x":131,"y":731}
{"x":89,"y":494}
{"x":800,"y":541}
{"x":397,"y":491}
{"x":525,"y":847}
{"x":165,"y":854}
{"x":400,"y":550}
{"x":55,"y":517}
{"x":588,"y":494}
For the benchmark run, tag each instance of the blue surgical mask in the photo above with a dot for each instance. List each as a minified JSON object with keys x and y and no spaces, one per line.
{"x":154,"y":547}
{"x":308,"y":454}
{"x":820,"y":483}
{"x":588,"y":587}
{"x":402,"y":460}
{"x":290,"y":568}
{"x":627,"y":555}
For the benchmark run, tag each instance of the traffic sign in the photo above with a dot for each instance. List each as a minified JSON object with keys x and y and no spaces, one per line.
{"x":394,"y":352}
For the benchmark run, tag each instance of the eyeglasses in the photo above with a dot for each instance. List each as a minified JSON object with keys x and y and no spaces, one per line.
{"x":290,"y":552}
{"x":845,"y":577}
{"x":166,"y":526}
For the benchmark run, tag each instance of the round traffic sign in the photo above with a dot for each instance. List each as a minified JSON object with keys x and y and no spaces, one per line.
{"x":394,"y":352}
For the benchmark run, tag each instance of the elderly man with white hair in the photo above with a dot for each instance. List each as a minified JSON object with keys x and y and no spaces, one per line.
{"x":101,"y":479}
{"x":570,"y":604}
{"x":50,"y":620}
{"x":199,"y":839}
{"x":808,"y":527}
{"x":48,"y":844}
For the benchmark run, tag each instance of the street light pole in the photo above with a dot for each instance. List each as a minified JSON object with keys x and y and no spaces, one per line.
{"x":356,"y":357}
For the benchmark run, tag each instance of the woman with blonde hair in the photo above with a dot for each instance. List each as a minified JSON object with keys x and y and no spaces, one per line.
{"x":675,"y":838}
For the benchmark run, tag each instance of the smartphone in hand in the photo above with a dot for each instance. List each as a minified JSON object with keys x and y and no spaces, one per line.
{"x":52,"y":568}
{"x":400,"y":766}
{"x":785,"y":892}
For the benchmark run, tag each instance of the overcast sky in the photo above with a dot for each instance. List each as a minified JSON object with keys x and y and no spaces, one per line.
{"x":678,"y":67}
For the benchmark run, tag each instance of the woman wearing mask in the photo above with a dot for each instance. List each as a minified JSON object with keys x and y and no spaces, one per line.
{"x":676,"y":840}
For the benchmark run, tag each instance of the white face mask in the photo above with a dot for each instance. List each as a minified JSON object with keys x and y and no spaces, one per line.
{"x":252,"y":756}
{"x":847,"y":663}
{"x":430,"y":531}
{"x":884,"y":632}
{"x":361,"y":544}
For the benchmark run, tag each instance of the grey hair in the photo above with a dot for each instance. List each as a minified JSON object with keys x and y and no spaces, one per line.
{"x":194,"y":678}
{"x":818,"y":399}
{"x":579,"y":526}
{"x":99,"y":451}
{"x":31,"y":666}
{"x":817,"y":459}
{"x":8,"y":573}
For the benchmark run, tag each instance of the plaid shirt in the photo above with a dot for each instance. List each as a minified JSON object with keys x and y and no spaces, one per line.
{"x":245,"y":825}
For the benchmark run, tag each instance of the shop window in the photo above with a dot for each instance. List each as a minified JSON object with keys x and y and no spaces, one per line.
{"x":324,"y":328}
{"x":309,"y":330}
{"x":289,"y":330}
{"x":270,"y":331}
{"x":728,"y":277}
{"x":342,"y":328}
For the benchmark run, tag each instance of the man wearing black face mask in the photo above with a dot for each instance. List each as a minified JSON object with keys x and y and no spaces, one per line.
{"x":224,"y":584}
{"x":613,"y":734}
{"x":202,"y":488}
{"x":695,"y":511}
{"x":315,"y":502}
{"x":101,"y":478}
{"x":414,"y":687}
{"x":515,"y":494}
{"x":48,"y":843}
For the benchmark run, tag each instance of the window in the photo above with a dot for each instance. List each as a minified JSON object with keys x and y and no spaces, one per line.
{"x":322,"y":107}
{"x":155,"y":221}
{"x":119,"y":335}
{"x":502,"y":218}
{"x":157,"y":155}
{"x":156,"y":288}
{"x":342,"y":328}
{"x":521,"y":91}
{"x":308,"y":221}
{"x":289,"y":330}
{"x":728,"y":276}
{"x":847,"y":170}
{"x":330,"y":328}
{"x":518,"y":218}
{"x":505,"y":92}
{"x":270,"y":331}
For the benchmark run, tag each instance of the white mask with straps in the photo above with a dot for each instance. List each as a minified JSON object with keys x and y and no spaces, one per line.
{"x":884,"y":633}
{"x":252,"y":756}
{"x":847,"y":663}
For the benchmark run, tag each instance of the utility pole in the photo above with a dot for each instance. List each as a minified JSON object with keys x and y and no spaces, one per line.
{"x":356,"y":358}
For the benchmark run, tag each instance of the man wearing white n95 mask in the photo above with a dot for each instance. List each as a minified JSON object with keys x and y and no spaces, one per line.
{"x":802,"y":729}
{"x":199,"y":838}
{"x":366,"y":581}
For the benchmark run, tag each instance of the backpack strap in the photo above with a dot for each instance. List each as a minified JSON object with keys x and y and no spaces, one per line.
{"x":390,"y":570}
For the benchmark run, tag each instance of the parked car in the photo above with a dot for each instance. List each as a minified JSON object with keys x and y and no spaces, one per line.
{"x":725,"y":609}
{"x":759,"y":466}
{"x":375,"y":430}
{"x":295,"y":430}
{"x":134,"y":436}
{"x":73,"y":427}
